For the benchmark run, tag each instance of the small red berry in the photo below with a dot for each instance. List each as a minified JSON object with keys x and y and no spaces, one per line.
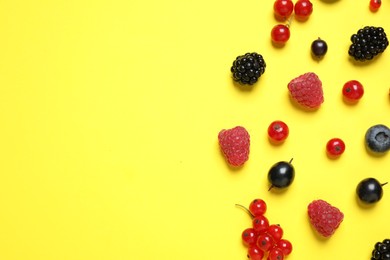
{"x":255,"y":253}
{"x":278,"y":131}
{"x":285,"y":246}
{"x":375,"y":4}
{"x":258,"y":207}
{"x":283,"y":9}
{"x":280,"y":34}
{"x":264,"y":242}
{"x":249,"y":237}
{"x":260,"y":224}
{"x":335,"y":147}
{"x":353,"y":90}
{"x":276,"y":232}
{"x":275,"y":254}
{"x":303,"y":9}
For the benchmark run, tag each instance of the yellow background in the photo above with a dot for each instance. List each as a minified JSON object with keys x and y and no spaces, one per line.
{"x":109,"y":116}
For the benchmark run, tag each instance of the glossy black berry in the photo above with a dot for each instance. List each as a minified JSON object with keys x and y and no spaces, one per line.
{"x":377,"y":139}
{"x":319,"y":48}
{"x":367,"y":43}
{"x":381,"y":250}
{"x":248,"y":68}
{"x":281,"y":174}
{"x":370,"y":190}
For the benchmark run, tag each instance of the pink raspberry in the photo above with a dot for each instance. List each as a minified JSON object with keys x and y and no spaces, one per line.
{"x":234,"y":144}
{"x":324,"y":217}
{"x":307,"y":90}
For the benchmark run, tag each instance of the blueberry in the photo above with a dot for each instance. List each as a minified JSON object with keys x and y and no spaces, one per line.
{"x":377,"y":139}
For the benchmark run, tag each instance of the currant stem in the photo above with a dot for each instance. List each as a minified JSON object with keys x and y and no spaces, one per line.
{"x":291,"y":160}
{"x":383,"y":184}
{"x":244,"y":208}
{"x":289,"y":21}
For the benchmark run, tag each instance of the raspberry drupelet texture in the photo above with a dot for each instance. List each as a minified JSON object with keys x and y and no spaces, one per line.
{"x":307,"y":91}
{"x":367,"y":43}
{"x":235,"y":143}
{"x":248,"y":68}
{"x":324,"y":217}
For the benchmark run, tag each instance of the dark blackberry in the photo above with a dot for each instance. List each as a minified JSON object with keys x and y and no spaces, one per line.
{"x":368,"y":43}
{"x":381,"y":250}
{"x":248,"y":68}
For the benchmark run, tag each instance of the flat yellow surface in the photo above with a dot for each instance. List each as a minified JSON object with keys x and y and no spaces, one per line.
{"x":109,"y":116}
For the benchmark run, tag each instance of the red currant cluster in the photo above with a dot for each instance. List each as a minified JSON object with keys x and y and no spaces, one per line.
{"x":263,"y":239}
{"x":283,"y":10}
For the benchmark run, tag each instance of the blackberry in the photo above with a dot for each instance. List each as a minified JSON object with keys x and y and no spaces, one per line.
{"x":381,"y":250}
{"x":368,"y":43}
{"x":248,"y":68}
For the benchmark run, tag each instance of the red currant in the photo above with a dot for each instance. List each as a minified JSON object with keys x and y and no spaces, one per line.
{"x":249,"y":236}
{"x":375,"y":4}
{"x":258,"y":207}
{"x":283,"y":9}
{"x":353,"y":90}
{"x":335,"y":147}
{"x":276,"y":232}
{"x":285,"y":246}
{"x":264,"y":242}
{"x":255,"y":253}
{"x":303,"y":9}
{"x":275,"y":254}
{"x":280,"y":34}
{"x":260,"y":224}
{"x":278,"y":131}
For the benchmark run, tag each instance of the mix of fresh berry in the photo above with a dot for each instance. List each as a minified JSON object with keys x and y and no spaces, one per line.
{"x":248,"y":68}
{"x":264,"y":240}
{"x":235,"y":144}
{"x":367,"y":43}
{"x":324,"y":217}
{"x":307,"y":91}
{"x":381,"y":250}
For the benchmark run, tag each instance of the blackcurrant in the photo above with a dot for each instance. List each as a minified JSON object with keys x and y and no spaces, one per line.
{"x":369,"y":190}
{"x":281,"y":174}
{"x":319,"y":48}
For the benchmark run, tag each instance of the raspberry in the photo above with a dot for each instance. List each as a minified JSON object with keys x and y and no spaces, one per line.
{"x":234,"y":144}
{"x":324,"y":217}
{"x":307,"y":90}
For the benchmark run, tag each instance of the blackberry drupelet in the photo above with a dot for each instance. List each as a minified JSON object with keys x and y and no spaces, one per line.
{"x":381,"y":250}
{"x":367,"y":43}
{"x":248,"y":68}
